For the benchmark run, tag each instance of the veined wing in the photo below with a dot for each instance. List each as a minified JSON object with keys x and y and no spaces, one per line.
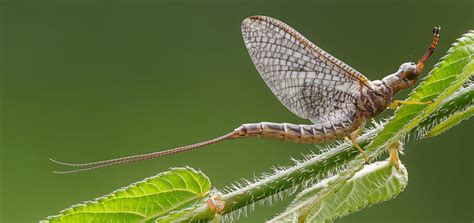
{"x":307,"y":80}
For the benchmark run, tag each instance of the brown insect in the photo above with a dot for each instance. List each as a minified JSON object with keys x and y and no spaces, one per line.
{"x":312,"y":84}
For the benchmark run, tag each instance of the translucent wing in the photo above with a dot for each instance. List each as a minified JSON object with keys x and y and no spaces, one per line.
{"x":307,"y":80}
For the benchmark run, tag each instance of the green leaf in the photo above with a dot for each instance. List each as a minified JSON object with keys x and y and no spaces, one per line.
{"x":455,"y":109}
{"x":179,"y":215}
{"x":144,"y":201}
{"x":375,"y":183}
{"x":445,"y":79}
{"x":450,"y":122}
{"x":455,"y":69}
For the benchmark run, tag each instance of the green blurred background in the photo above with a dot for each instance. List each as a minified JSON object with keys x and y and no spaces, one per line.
{"x":84,"y":81}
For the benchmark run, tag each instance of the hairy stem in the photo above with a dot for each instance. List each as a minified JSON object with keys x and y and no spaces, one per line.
{"x":317,"y":166}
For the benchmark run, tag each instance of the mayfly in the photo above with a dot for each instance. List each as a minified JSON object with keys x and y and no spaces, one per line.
{"x":312,"y":84}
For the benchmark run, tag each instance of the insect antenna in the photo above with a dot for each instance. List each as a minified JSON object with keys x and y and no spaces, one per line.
{"x":141,"y":157}
{"x":434,"y":43}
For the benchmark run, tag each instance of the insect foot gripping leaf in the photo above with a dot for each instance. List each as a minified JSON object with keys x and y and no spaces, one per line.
{"x":163,"y":196}
{"x":375,"y":183}
{"x":441,"y":85}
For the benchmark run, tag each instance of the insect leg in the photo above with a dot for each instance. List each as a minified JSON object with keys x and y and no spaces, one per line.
{"x":352,"y":138}
{"x":393,"y":149}
{"x":396,"y":103}
{"x":354,"y":143}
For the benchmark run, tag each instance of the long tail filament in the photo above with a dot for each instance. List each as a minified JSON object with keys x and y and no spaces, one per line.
{"x":136,"y":158}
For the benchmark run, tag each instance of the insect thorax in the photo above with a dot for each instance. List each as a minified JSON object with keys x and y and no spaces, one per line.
{"x":374,"y":101}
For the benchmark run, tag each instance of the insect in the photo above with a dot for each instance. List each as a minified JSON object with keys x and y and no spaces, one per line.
{"x":311,"y":83}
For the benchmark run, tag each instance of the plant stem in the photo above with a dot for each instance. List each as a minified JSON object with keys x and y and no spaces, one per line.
{"x":318,"y":166}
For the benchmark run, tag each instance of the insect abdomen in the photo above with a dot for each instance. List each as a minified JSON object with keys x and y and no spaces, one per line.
{"x":307,"y":134}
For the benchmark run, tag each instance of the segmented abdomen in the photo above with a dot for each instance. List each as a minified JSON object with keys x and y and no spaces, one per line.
{"x":305,"y":134}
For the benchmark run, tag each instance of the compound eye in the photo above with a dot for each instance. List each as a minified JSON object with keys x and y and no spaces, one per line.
{"x":409,"y":71}
{"x":410,"y":75}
